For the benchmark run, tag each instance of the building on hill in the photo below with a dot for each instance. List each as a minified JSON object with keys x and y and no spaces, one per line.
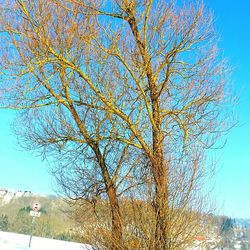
{"x":7,"y":195}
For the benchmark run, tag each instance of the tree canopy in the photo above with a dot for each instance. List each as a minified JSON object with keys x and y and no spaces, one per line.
{"x":123,"y":93}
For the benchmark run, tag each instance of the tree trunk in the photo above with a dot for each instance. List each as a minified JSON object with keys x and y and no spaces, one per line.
{"x":116,"y":218}
{"x":161,"y":209}
{"x":110,"y":189}
{"x":161,"y":204}
{"x":113,"y":201}
{"x":160,"y":173}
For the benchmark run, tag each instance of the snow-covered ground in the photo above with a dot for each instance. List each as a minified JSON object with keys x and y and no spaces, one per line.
{"x":13,"y":241}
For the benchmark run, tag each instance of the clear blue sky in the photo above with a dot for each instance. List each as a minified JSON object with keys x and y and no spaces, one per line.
{"x":20,"y":170}
{"x":233,"y":177}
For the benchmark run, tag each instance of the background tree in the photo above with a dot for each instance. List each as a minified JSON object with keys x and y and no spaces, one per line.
{"x":120,"y":78}
{"x":4,"y":222}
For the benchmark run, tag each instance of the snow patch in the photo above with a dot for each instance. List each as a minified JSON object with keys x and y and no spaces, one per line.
{"x":13,"y":241}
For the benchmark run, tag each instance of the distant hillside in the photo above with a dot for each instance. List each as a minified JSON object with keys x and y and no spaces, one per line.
{"x":53,"y":223}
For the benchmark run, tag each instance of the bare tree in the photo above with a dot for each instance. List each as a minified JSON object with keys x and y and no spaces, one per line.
{"x":143,"y":75}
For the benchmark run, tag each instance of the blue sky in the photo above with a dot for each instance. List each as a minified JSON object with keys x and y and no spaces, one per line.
{"x":21,"y":170}
{"x":233,"y":176}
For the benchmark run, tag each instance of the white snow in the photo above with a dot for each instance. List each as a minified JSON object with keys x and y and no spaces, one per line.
{"x":13,"y":241}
